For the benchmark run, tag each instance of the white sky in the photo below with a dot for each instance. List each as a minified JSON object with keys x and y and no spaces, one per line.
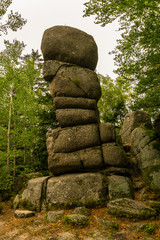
{"x":42,"y":14}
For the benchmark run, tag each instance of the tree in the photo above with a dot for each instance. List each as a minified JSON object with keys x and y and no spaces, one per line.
{"x":14,"y":20}
{"x":113,"y":102}
{"x":24,"y":100}
{"x":137,"y":53}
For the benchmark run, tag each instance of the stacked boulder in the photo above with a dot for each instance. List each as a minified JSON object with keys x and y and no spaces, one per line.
{"x":80,"y":147}
{"x":70,"y":57}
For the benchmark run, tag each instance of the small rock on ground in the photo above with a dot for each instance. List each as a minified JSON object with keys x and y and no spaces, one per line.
{"x":53,"y":216}
{"x":23,"y":213}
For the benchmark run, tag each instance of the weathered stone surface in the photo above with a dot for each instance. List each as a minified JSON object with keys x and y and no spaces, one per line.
{"x":24,"y":213}
{"x":151,"y":177}
{"x":83,"y":160}
{"x":154,"y":204}
{"x":110,"y":224}
{"x":117,"y":171}
{"x":130,"y":208}
{"x":35,"y":191}
{"x":73,"y":117}
{"x":53,"y":216}
{"x":114,"y":155}
{"x":133,"y":120}
{"x":119,"y":187}
{"x":107,"y":133}
{"x":71,"y":188}
{"x":156,"y":124}
{"x":70,"y":45}
{"x":75,"y":82}
{"x":76,"y":219}
{"x":83,"y":211}
{"x":149,"y":157}
{"x":69,"y":102}
{"x":16,"y":201}
{"x":63,"y":140}
{"x":139,"y":139}
{"x":51,"y":67}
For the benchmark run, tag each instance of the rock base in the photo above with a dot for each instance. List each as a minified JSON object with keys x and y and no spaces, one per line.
{"x":68,"y":190}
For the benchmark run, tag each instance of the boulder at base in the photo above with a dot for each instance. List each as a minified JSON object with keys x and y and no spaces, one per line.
{"x":119,"y":187}
{"x":68,"y":44}
{"x":84,"y":188}
{"x":35,"y":192}
{"x":130,"y":208}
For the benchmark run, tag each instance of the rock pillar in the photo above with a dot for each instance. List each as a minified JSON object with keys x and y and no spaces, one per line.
{"x":70,"y":57}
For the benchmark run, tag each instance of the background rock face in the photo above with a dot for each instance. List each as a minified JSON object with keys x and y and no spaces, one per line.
{"x":133,"y":120}
{"x":70,"y":45}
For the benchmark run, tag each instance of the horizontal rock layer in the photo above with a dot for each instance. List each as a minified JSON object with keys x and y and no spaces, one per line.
{"x":75,"y":82}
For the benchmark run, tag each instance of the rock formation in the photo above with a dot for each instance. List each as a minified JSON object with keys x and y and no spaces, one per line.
{"x":80,"y":147}
{"x":144,"y":155}
{"x":70,"y":57}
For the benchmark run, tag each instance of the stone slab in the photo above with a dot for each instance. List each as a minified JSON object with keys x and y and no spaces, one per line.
{"x":71,"y":102}
{"x":89,"y":159}
{"x":130,"y":208}
{"x":76,"y":188}
{"x":73,"y":117}
{"x":70,"y":139}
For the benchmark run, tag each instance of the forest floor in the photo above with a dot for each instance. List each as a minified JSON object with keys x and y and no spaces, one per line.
{"x":38,"y":228}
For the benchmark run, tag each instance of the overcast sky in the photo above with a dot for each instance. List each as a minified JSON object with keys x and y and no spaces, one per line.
{"x":43,"y":14}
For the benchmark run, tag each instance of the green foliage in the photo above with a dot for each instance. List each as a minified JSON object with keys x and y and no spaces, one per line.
{"x":137,"y":52}
{"x":150,"y":228}
{"x":13,"y":21}
{"x":23,"y":141}
{"x":113,"y":102}
{"x":6,"y":181}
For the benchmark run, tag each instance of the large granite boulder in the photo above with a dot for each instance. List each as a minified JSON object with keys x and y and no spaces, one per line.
{"x":72,"y":117}
{"x":63,"y":140}
{"x":71,"y":45}
{"x":133,"y":120}
{"x":113,"y":155}
{"x":78,"y":103}
{"x":89,"y":159}
{"x":35,"y":192}
{"x":107,"y":132}
{"x":77,"y":82}
{"x":130,"y":208}
{"x":84,"y":188}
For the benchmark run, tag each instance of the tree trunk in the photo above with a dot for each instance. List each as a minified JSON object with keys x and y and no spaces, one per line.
{"x":9,"y":127}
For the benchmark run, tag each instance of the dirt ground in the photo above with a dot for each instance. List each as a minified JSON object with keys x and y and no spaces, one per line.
{"x":37,"y":227}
